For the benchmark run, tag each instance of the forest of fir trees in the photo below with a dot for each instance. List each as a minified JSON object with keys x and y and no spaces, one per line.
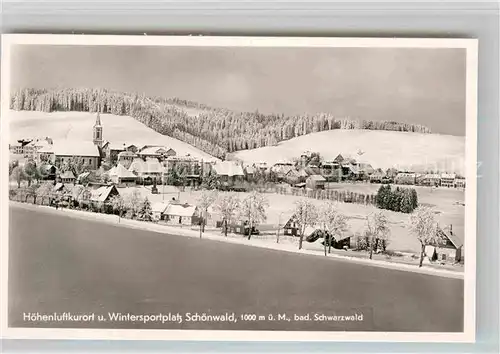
{"x":216,"y":131}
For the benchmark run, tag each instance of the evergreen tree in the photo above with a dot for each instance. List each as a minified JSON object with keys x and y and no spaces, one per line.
{"x":145,"y":211}
{"x":414,"y":199}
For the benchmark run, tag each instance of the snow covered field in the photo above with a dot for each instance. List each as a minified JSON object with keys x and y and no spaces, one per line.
{"x":78,"y":126}
{"x":281,"y":207}
{"x":384,"y":149}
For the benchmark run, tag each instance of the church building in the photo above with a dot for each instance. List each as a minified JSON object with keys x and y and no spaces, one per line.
{"x":63,"y":150}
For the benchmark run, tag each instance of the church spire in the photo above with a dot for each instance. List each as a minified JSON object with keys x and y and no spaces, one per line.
{"x":97,"y":131}
{"x":98,"y":119}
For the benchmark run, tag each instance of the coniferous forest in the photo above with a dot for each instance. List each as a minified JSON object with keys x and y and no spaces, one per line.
{"x":216,"y":131}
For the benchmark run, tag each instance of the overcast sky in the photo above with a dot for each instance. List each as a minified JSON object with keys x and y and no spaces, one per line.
{"x":424,"y":86}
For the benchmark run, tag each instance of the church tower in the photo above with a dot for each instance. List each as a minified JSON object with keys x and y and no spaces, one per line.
{"x":97,"y":137}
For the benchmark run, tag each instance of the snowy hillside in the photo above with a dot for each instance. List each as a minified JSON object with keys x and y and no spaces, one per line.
{"x":78,"y":126}
{"x":384,"y":149}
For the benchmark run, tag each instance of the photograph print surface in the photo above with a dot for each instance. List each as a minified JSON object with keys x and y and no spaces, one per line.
{"x":310,"y":188}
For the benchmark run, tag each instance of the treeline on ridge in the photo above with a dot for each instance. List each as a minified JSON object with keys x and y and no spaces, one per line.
{"x":216,"y":131}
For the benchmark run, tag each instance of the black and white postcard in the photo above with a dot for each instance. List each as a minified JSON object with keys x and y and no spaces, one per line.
{"x":238,"y":188}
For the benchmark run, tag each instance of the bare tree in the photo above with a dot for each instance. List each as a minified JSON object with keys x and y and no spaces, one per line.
{"x":227,"y":205}
{"x":376,"y":229}
{"x":333,"y":222}
{"x":118,"y":204}
{"x":133,"y":202}
{"x":44,"y":191}
{"x":253,"y":210}
{"x":18,"y":175}
{"x":305,"y":214}
{"x":423,"y":225}
{"x":206,"y":199}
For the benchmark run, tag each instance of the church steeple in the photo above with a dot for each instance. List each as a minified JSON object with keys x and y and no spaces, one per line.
{"x":97,"y":136}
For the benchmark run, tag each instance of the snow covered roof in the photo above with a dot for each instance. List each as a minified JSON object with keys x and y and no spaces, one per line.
{"x":126,"y":153}
{"x":101,"y":194}
{"x":366,"y":167}
{"x":121,"y":172}
{"x":154,"y":150}
{"x":228,"y":168}
{"x":42,"y":143}
{"x":67,"y":174}
{"x":72,"y":148}
{"x":432,"y":176}
{"x":45,"y":168}
{"x":317,"y":178}
{"x":149,"y":166}
{"x":282,"y":168}
{"x":120,"y":145}
{"x":159,"y":207}
{"x":406,"y":174}
{"x":448,"y":175}
{"x":447,"y":233}
{"x":293,"y":173}
{"x":180,"y":210}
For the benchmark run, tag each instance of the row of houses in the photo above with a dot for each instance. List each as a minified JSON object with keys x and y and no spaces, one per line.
{"x":450,"y":180}
{"x":172,"y":212}
{"x":449,"y":250}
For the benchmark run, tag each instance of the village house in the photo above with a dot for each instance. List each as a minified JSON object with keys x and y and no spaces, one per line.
{"x":460,"y":182}
{"x":181,"y":214}
{"x":229,"y":172}
{"x":405,"y":178}
{"x":30,"y":150}
{"x":282,"y":168}
{"x":315,"y":182}
{"x":292,"y":176}
{"x":159,"y":209}
{"x":261,"y":166}
{"x":431,"y":179}
{"x":186,"y":162}
{"x":365,"y":169}
{"x":350,"y":171}
{"x":249,"y":171}
{"x":102,"y":195}
{"x":156,"y":151}
{"x":312,"y":169}
{"x":450,"y":250}
{"x":48,"y":171}
{"x":60,"y":151}
{"x":63,"y":151}
{"x":147,"y":171}
{"x":346,"y":240}
{"x":121,"y":176}
{"x":448,"y":179}
{"x":331,"y":170}
{"x":111,"y":150}
{"x":377,"y":177}
{"x":67,"y":177}
{"x":125,"y":158}
{"x":291,"y":228}
{"x":17,"y":147}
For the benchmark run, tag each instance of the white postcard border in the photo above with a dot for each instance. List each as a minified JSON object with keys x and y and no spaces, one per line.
{"x":471,"y":47}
